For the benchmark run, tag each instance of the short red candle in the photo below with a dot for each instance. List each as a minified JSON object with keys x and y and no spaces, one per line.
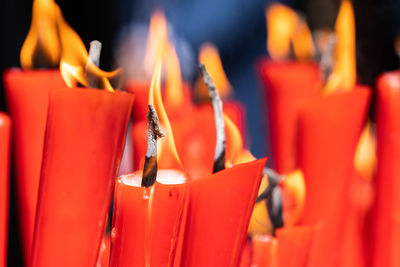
{"x":84,"y":140}
{"x":218,"y":214}
{"x":5,"y":145}
{"x":265,"y":251}
{"x":287,"y":85}
{"x":329,"y":129}
{"x":386,"y":225}
{"x":27,"y":94}
{"x":147,"y":220}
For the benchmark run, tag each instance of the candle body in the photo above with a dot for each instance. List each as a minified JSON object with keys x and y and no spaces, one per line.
{"x":5,"y":145}
{"x":265,"y":251}
{"x":141,"y":91}
{"x":84,"y":140}
{"x":329,"y":128}
{"x":386,"y":225}
{"x":146,"y":223}
{"x":27,"y":94}
{"x":287,"y":86}
{"x":218,"y":215}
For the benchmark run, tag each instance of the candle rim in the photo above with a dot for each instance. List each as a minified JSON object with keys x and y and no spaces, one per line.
{"x":134,"y":179}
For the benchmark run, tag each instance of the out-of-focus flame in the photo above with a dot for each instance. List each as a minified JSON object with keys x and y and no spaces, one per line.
{"x":60,"y":44}
{"x":286,"y":28}
{"x":209,"y":56}
{"x":235,"y":153}
{"x":168,"y":156}
{"x":294,"y":194}
{"x":173,"y":93}
{"x":343,"y":76}
{"x":365,"y":159}
{"x":157,"y":40}
{"x":43,"y":34}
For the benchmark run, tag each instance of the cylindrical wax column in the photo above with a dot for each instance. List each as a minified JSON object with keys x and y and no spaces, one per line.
{"x":265,"y":252}
{"x":84,"y":140}
{"x":287,"y":85}
{"x":146,"y":220}
{"x":141,"y":91}
{"x":329,"y":129}
{"x":5,"y":143}
{"x":219,"y":211}
{"x":27,"y":94}
{"x":386,"y":210}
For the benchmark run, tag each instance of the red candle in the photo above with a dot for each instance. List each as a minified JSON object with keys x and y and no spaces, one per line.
{"x":146,"y":220}
{"x":5,"y":145}
{"x":287,"y":86}
{"x":27,"y":94}
{"x":141,"y":91}
{"x":218,"y":214}
{"x":386,"y":226}
{"x":329,"y":128}
{"x":84,"y":141}
{"x":265,"y":251}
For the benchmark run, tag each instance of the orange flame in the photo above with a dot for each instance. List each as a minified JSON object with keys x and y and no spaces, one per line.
{"x":365,"y":159}
{"x":209,"y":56}
{"x":60,"y":44}
{"x":169,"y":157}
{"x":294,"y":195}
{"x":156,"y":41}
{"x":286,"y":28}
{"x":343,"y":76}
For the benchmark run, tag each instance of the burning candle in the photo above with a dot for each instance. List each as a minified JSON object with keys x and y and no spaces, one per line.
{"x":84,"y":139}
{"x":5,"y":145}
{"x":385,"y":231}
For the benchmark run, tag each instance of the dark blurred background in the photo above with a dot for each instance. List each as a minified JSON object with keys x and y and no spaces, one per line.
{"x":238,"y":29}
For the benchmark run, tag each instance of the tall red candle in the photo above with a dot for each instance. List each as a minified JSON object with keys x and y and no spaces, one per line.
{"x":287,"y":86}
{"x":84,"y":141}
{"x":329,"y":128}
{"x":27,"y":94}
{"x":218,"y":214}
{"x":5,"y":145}
{"x":386,"y":225}
{"x":147,"y":220}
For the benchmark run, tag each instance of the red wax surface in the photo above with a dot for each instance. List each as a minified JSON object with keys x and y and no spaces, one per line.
{"x":27,"y":94}
{"x":5,"y":145}
{"x":104,"y":252}
{"x":218,"y":214}
{"x":386,"y":210}
{"x":287,"y":86}
{"x":146,"y":223}
{"x":247,"y":254}
{"x":329,"y":130}
{"x":141,"y":91}
{"x":265,"y":251}
{"x":84,"y":140}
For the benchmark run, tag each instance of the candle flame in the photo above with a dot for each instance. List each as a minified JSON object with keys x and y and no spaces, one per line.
{"x":173,"y":93}
{"x":286,"y":28}
{"x":234,"y":144}
{"x":51,"y":35}
{"x":157,"y":40}
{"x":343,"y":76}
{"x":365,"y":158}
{"x":294,"y":195}
{"x":209,"y":56}
{"x":168,"y":156}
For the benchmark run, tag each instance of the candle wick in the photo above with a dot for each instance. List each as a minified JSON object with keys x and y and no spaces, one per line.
{"x":219,"y":156}
{"x":325,"y":53}
{"x":94,"y":58}
{"x":153,"y":133}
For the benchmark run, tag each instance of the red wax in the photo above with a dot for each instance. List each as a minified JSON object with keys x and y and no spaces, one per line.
{"x":287,"y":85}
{"x":84,"y":140}
{"x":141,"y":91}
{"x":5,"y":143}
{"x":265,"y":251}
{"x":329,"y":130}
{"x":27,"y":100}
{"x":218,"y":214}
{"x":386,"y":210}
{"x":104,"y":252}
{"x":146,"y":221}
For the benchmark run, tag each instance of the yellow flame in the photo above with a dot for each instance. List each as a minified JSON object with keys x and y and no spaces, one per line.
{"x":343,"y":76}
{"x":365,"y":159}
{"x":234,"y":144}
{"x":294,"y":195}
{"x":155,"y":99}
{"x":61,"y":45}
{"x":173,"y":94}
{"x":209,"y":56}
{"x":286,"y":28}
{"x":157,"y":40}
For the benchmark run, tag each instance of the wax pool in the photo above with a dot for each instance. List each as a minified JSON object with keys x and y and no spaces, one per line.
{"x":146,"y":221}
{"x":84,"y":140}
{"x":27,"y":94}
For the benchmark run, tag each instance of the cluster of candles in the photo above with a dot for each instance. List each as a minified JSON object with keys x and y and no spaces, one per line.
{"x":197,"y":196}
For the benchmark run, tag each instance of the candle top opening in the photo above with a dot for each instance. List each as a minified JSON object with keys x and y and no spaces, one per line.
{"x":167,"y":177}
